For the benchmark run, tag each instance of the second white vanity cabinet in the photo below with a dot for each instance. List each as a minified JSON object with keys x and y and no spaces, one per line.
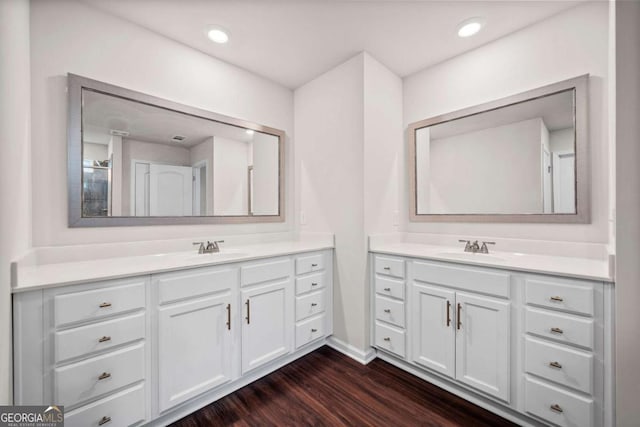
{"x":530,"y":347}
{"x":472,"y":329}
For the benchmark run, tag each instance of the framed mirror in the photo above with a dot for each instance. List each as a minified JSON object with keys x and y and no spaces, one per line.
{"x":135,"y":159}
{"x":519,"y":159}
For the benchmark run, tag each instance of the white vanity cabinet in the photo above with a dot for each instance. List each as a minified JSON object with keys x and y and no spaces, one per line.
{"x":530,"y":347}
{"x":152,"y":349}
{"x":267,"y":307}
{"x":194,"y":339}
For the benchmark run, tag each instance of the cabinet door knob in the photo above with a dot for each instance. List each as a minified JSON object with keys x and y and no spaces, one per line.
{"x":314,"y":265}
{"x":387,"y":289}
{"x":448,"y":313}
{"x":556,"y":330}
{"x":229,"y":317}
{"x":314,"y":284}
{"x":556,"y":408}
{"x":314,"y":330}
{"x":387,"y":268}
{"x":105,"y":305}
{"x":313,"y":304}
{"x":104,"y":420}
{"x":556,"y":299}
{"x":104,"y":376}
{"x":555,"y":365}
{"x":386,"y":339}
{"x":248,"y":304}
{"x":458,"y":316}
{"x":104,"y":339}
{"x":387,"y":310}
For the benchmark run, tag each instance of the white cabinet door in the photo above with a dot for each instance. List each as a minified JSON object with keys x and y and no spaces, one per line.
{"x":194,"y":348}
{"x":433,"y":333}
{"x":483,"y":344}
{"x":267,"y":327}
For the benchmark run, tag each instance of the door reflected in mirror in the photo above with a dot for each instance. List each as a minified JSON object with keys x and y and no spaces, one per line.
{"x":141,"y":160}
{"x":516,"y":159}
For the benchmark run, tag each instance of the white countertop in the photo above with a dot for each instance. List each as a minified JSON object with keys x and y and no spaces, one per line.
{"x":581,"y":268}
{"x":39,"y":276}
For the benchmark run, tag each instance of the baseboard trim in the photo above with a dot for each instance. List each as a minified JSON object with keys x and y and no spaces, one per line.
{"x":355,"y":353}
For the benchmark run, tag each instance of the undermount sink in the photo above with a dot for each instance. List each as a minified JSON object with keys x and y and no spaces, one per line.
{"x":470,"y":256}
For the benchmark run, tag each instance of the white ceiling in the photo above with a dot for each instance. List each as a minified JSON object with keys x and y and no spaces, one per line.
{"x":293,"y":41}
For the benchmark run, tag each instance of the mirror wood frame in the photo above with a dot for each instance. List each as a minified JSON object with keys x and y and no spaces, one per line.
{"x":583,"y":188}
{"x":75,"y":85}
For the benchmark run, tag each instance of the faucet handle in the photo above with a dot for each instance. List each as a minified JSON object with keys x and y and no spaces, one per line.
{"x":201,"y":248}
{"x":467,"y":246}
{"x":484,"y":249}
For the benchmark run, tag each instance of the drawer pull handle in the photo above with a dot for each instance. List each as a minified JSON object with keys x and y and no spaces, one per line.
{"x":314,"y":284}
{"x":104,"y":376}
{"x":248,"y":304}
{"x":556,"y":408}
{"x":313,"y":304}
{"x":105,"y":305}
{"x":387,"y":268}
{"x":459,"y":317}
{"x":229,"y":317}
{"x":555,"y":365}
{"x":556,"y":330}
{"x":314,"y":265}
{"x":448,"y":313}
{"x":104,"y":339}
{"x":387,"y":289}
{"x":556,"y":299}
{"x":387,"y":310}
{"x":386,"y":339}
{"x":314,"y":330}
{"x":104,"y":420}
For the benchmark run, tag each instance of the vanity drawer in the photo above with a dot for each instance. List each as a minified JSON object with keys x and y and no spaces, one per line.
{"x":308,"y":263}
{"x":566,"y":366}
{"x":265,"y":271}
{"x":97,"y":303}
{"x":310,"y":330}
{"x":572,"y":296}
{"x":310,"y":283}
{"x":310,"y":304}
{"x":180,"y":285}
{"x":390,"y":311}
{"x":390,"y":339}
{"x":121,"y":409}
{"x":390,"y":287}
{"x":100,"y":336}
{"x":389,"y":266}
{"x":81,"y":381}
{"x":560,"y":327}
{"x":472,"y":279}
{"x":557,"y":406}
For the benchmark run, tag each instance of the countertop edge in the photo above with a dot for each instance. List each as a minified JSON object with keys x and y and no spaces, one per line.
{"x":143,"y":272}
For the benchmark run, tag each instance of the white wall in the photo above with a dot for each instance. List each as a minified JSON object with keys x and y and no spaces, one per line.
{"x":69,"y":36}
{"x":93,"y":151}
{"x":493,"y":170}
{"x":572,"y":43}
{"x":348,"y":125}
{"x":231,"y":159}
{"x":329,"y":169}
{"x":562,"y":140}
{"x":265,"y":174}
{"x":627,"y":36}
{"x":15,"y":179}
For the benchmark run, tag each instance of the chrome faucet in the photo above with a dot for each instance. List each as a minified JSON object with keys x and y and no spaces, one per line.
{"x":475,"y":247}
{"x":212,"y":247}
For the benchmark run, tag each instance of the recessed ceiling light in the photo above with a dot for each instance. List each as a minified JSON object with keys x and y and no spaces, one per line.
{"x":218,"y":35}
{"x":470,"y":27}
{"x":249,"y":131}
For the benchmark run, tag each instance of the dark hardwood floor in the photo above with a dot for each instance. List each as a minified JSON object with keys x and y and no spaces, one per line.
{"x":326,"y":388}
